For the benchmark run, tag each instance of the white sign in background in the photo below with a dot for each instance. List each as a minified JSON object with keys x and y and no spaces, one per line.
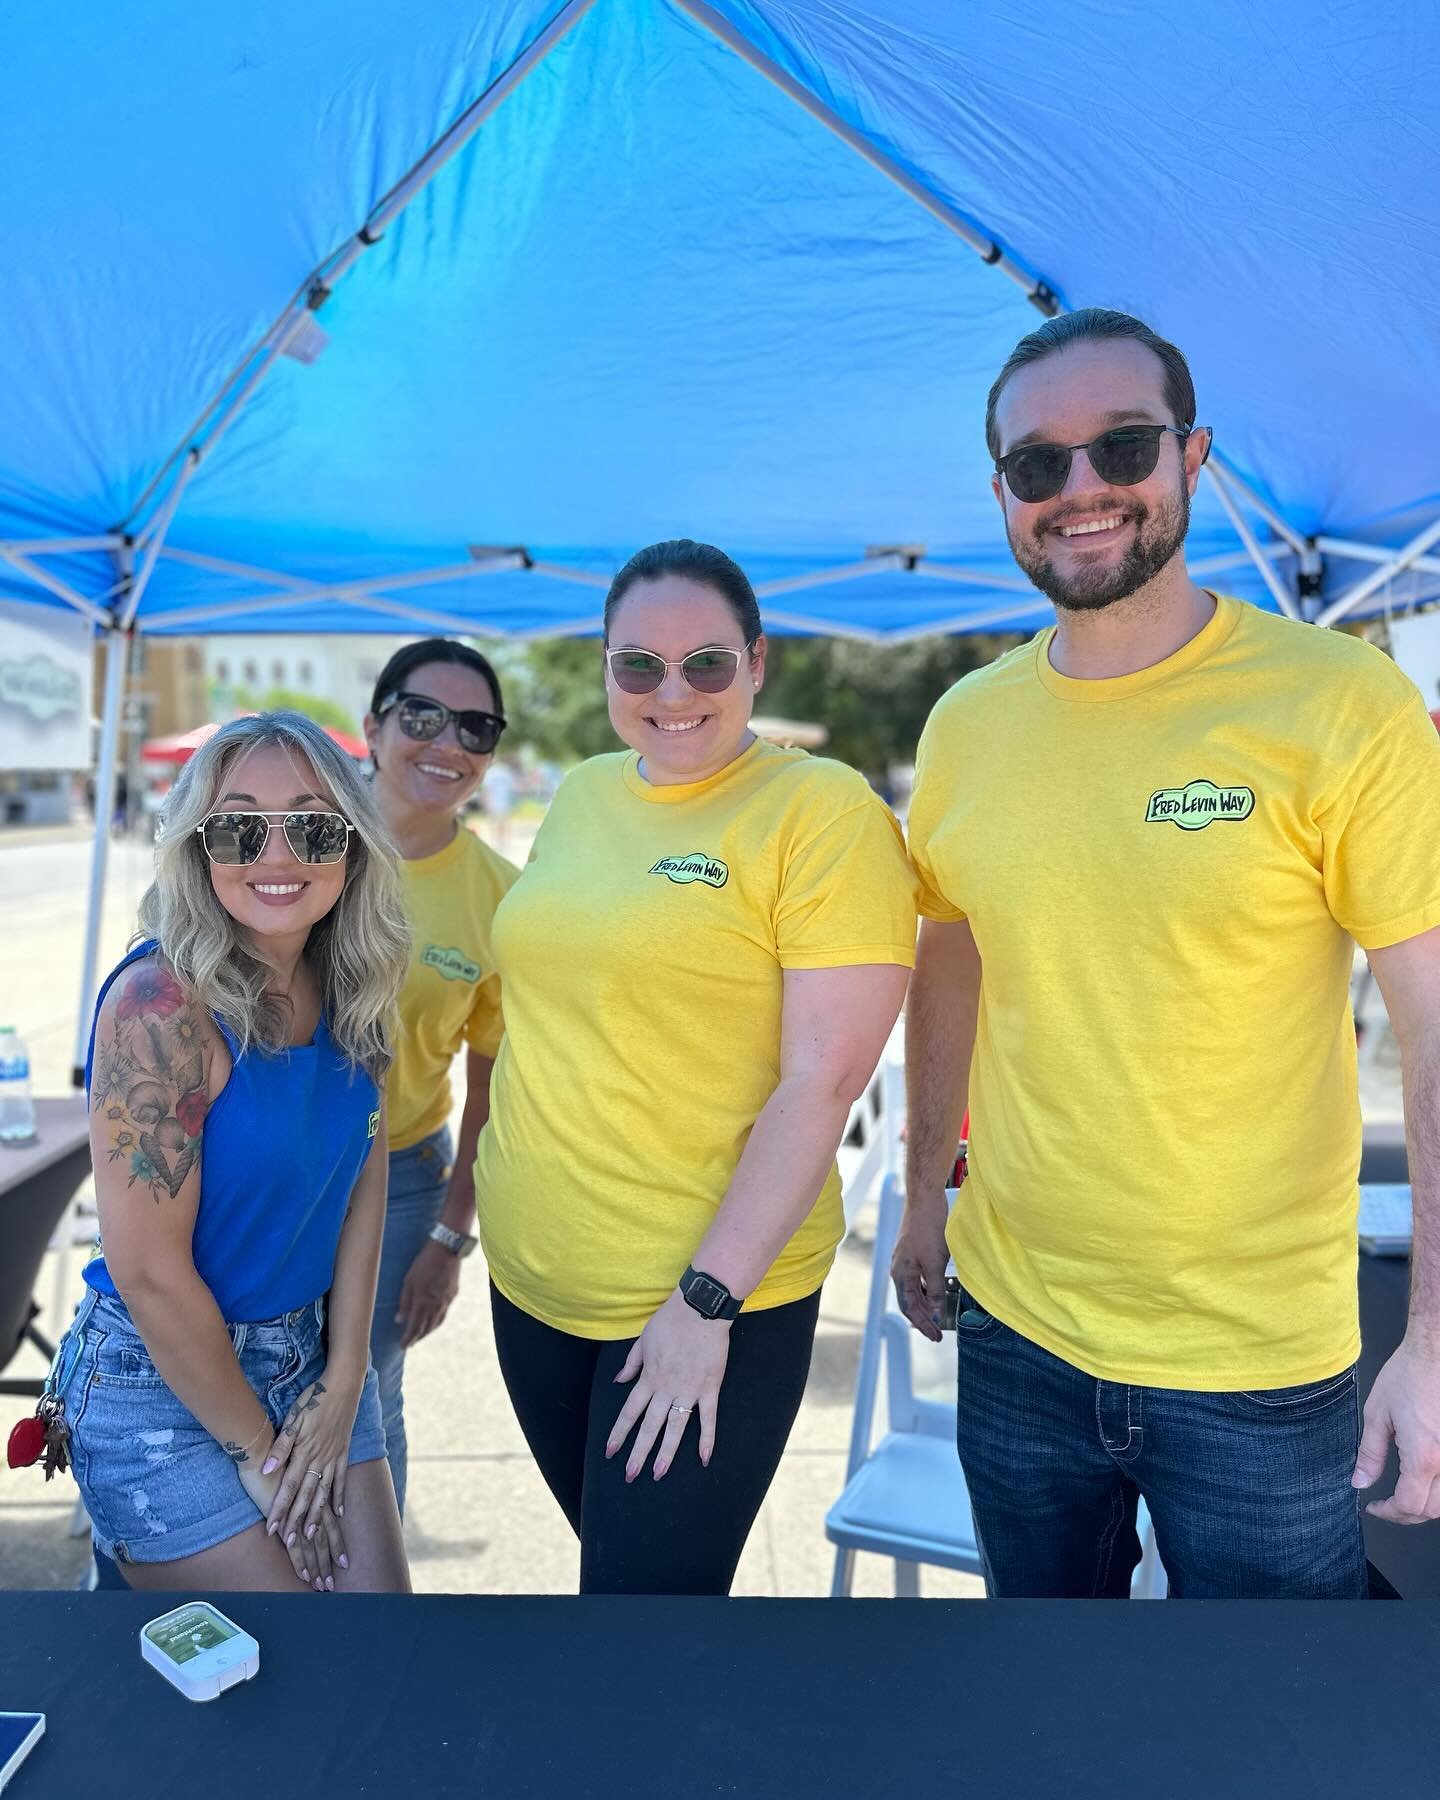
{"x":46,"y":665}
{"x":1415,"y":641}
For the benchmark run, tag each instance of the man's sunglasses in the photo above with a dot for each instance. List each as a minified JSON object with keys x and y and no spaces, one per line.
{"x":424,"y":719}
{"x":1120,"y":457}
{"x":642,"y":672}
{"x":236,"y":838}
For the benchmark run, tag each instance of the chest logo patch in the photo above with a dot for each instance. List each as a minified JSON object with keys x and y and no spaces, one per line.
{"x":695,"y":867}
{"x":1198,"y":804}
{"x":450,"y":963}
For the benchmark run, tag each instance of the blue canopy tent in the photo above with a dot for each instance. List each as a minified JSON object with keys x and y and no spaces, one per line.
{"x":353,"y":314}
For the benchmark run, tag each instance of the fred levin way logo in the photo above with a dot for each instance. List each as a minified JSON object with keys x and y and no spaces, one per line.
{"x":1198,"y":804}
{"x":695,"y":867}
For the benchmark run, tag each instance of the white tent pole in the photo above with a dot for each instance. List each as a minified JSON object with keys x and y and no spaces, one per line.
{"x":1284,"y":599}
{"x":220,"y":414}
{"x":977,"y":578}
{"x":1397,"y":564}
{"x":354,"y":591}
{"x":999,"y":615}
{"x":1373,"y":553}
{"x":219,"y":565}
{"x":1036,"y":291}
{"x":1280,"y":526}
{"x":53,"y":584}
{"x":1237,"y":559}
{"x":141,"y":580}
{"x":58,"y":546}
{"x":117,"y":645}
{"x":798,"y":584}
{"x":581,"y":577}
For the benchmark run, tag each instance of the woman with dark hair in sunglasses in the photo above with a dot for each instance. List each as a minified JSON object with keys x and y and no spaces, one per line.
{"x":434,"y":722}
{"x":702,"y":962}
{"x":222,"y":1417}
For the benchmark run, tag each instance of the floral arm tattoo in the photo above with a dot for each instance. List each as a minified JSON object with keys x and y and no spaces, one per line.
{"x":149,"y":1082}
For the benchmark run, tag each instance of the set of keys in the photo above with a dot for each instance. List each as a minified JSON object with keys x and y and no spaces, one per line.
{"x":45,"y":1434}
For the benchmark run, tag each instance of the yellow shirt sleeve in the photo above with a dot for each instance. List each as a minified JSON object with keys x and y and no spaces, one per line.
{"x":485,"y":1025}
{"x":847,"y":893}
{"x":927,"y":812}
{"x":1381,"y":834}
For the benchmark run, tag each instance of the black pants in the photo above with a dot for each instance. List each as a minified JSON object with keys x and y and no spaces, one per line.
{"x":683,"y":1534}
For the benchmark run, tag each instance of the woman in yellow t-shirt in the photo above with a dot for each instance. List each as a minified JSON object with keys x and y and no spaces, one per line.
{"x":432,"y":728}
{"x":701,"y":961}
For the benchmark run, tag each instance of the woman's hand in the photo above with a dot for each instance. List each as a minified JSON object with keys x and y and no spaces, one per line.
{"x":314,"y":1560}
{"x":677,"y":1363}
{"x":311,"y":1454}
{"x":431,"y":1284}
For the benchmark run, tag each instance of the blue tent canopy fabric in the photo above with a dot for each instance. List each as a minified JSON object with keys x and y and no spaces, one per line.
{"x":740,"y":270}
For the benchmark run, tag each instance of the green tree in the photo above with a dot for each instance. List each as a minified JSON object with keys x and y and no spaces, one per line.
{"x":313,"y":706}
{"x":873,"y":699}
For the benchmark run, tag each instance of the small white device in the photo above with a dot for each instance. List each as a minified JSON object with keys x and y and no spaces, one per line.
{"x":198,"y":1650}
{"x":19,"y":1734}
{"x":1386,"y":1221}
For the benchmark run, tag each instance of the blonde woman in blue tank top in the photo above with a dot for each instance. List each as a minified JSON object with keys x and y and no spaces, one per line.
{"x":223,"y":1417}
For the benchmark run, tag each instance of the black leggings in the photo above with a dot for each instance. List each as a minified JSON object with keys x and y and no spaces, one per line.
{"x":683,"y":1534}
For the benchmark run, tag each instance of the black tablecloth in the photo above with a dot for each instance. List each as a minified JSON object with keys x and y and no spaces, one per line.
{"x":607,"y":1697}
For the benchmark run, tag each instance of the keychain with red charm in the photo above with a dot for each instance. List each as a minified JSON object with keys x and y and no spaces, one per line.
{"x":45,"y":1434}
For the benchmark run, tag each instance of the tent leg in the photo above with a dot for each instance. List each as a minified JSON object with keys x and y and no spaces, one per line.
{"x":117,"y":646}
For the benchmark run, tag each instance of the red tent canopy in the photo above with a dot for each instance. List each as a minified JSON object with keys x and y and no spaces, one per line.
{"x":184,"y":744}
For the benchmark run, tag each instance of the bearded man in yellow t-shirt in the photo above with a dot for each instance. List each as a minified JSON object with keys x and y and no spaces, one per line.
{"x":1148,"y":842}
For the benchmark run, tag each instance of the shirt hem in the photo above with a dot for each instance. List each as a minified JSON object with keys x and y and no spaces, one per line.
{"x":1396,"y":931}
{"x":851,"y":955}
{"x":1236,"y":1380}
{"x":764,"y":1299}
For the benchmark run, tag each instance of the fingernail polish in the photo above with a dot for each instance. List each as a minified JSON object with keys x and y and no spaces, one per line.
{"x":344,"y":1562}
{"x":290,"y":1540}
{"x":339,"y":1512}
{"x":329,"y":1584}
{"x":660,"y":1469}
{"x":269,"y":1467}
{"x":309,"y":1531}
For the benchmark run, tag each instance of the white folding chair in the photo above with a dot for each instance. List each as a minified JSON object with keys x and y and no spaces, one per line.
{"x":876,"y":1119}
{"x":905,"y":1497}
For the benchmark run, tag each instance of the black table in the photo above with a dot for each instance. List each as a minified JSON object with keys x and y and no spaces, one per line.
{"x":571,"y":1698}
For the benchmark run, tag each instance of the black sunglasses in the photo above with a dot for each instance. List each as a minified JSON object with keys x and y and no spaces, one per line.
{"x":424,"y":719}
{"x":234,"y":838}
{"x":1120,"y":457}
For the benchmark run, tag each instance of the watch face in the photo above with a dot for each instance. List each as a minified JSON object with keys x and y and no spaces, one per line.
{"x":706,"y":1295}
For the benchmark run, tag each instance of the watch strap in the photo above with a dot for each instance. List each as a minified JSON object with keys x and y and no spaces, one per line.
{"x":709,"y":1297}
{"x":458,"y":1243}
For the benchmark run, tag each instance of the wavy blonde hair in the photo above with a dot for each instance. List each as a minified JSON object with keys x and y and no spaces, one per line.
{"x":359,"y":951}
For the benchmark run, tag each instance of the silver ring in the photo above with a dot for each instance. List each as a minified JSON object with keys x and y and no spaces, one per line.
{"x":677,"y":1407}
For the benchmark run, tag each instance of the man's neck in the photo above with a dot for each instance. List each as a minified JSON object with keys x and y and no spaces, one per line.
{"x":1133,"y":634}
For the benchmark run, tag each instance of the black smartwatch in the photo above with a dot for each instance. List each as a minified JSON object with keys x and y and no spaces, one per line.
{"x":710,"y":1298}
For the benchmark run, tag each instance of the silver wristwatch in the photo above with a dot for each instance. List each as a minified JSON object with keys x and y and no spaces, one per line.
{"x":456,"y":1242}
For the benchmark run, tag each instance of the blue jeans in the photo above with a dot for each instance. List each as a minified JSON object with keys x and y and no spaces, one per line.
{"x":1249,"y":1492}
{"x":418,"y":1178}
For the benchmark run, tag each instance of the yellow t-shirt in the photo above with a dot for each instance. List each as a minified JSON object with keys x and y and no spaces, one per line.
{"x":642,"y":953}
{"x":1163,"y":874}
{"x":452,"y":992}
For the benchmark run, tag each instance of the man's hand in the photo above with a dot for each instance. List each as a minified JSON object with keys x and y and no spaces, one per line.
{"x":1404,"y":1407}
{"x":918,"y":1265}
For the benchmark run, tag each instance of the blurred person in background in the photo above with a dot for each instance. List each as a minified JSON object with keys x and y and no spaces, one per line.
{"x":701,"y":964}
{"x":224,"y":1422}
{"x":434,"y":722}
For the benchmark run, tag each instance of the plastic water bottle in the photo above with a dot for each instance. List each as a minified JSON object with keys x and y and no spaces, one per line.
{"x":17,"y":1109}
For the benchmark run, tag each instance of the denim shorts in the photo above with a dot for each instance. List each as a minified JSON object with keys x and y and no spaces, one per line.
{"x":155,"y":1483}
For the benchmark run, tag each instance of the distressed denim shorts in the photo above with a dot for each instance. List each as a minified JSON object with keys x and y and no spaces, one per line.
{"x":155,"y":1483}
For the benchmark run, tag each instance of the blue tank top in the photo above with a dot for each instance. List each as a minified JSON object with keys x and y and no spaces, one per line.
{"x":279,"y":1155}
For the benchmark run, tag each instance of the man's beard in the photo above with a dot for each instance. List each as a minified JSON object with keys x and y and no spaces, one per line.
{"x":1157,"y":537}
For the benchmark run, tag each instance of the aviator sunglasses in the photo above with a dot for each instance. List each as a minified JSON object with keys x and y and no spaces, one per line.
{"x":642,"y":671}
{"x":424,"y":719}
{"x":235,"y":838}
{"x":1120,"y":457}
